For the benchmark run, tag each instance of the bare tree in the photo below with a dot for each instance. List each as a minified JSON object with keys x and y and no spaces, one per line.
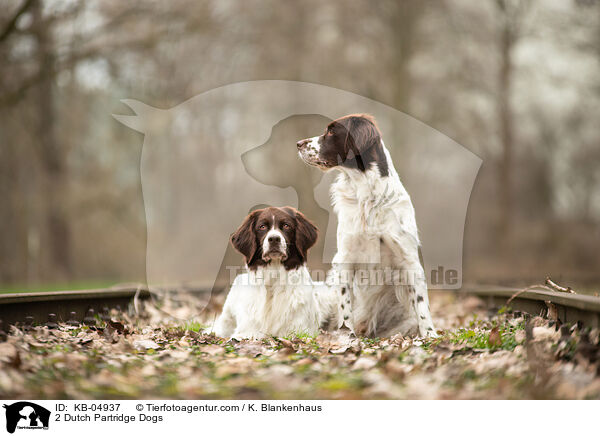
{"x":511,"y":15}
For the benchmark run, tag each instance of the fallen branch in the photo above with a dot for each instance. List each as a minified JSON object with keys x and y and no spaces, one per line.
{"x":528,"y":288}
{"x":557,"y":287}
{"x":548,"y":285}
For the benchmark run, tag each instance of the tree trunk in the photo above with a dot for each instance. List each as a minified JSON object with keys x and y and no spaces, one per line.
{"x":56,"y":240}
{"x":404,"y":18}
{"x":506,"y":133}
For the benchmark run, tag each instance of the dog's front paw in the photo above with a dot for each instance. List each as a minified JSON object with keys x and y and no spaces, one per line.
{"x":430,"y":333}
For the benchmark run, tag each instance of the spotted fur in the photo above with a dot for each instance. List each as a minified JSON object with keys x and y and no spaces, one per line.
{"x":377,"y":231}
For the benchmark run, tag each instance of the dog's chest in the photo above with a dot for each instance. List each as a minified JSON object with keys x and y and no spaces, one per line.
{"x":285,"y":304}
{"x":366,"y":205}
{"x":288,"y":311}
{"x":362,"y":224}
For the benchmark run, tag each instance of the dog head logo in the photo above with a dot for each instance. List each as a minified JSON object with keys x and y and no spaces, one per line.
{"x":26,"y":415}
{"x":210,"y":160}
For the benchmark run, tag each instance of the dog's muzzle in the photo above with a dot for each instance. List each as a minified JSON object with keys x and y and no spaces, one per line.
{"x":308,"y":150}
{"x":274,"y":247}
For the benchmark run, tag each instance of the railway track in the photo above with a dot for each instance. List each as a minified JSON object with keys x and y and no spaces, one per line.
{"x":567,"y":308}
{"x":63,"y":306}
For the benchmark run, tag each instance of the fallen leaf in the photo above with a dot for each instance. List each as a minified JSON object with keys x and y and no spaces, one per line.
{"x":253,"y":349}
{"x":118,"y":326}
{"x":495,"y":339}
{"x":286,"y":343}
{"x":145,"y":344}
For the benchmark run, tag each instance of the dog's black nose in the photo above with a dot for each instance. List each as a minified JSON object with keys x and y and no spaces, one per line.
{"x":301,"y":143}
{"x":274,"y":239}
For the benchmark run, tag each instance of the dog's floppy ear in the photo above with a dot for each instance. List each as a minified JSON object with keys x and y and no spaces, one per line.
{"x":306,"y":234}
{"x":363,"y":134}
{"x":244,"y":238}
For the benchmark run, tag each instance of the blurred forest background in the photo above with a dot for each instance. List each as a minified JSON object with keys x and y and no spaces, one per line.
{"x":515,"y":81}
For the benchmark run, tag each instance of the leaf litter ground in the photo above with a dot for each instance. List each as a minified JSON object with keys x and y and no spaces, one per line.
{"x":162,"y":353}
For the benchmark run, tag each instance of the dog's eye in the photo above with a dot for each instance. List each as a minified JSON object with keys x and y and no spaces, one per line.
{"x":329,"y":132}
{"x":262,"y":227}
{"x":285,"y":226}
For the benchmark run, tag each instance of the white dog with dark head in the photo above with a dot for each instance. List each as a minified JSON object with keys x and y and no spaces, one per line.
{"x":277,"y":296}
{"x":376,"y":269}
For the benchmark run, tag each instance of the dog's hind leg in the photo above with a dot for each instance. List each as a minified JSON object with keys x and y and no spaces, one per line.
{"x":343,"y":283}
{"x":413,"y":280}
{"x":346,"y":315}
{"x":420,"y":301}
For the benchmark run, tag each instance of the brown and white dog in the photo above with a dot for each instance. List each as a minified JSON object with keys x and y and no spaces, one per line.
{"x":277,"y":295}
{"x":376,"y":269}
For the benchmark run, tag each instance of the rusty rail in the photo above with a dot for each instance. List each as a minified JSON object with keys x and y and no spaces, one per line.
{"x":570,"y":308}
{"x":36,"y":307}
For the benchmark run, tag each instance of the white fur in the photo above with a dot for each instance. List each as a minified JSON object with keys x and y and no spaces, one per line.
{"x":271,"y":301}
{"x":266,"y":246}
{"x":377,"y":232}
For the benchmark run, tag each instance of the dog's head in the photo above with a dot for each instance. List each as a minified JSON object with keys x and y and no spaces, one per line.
{"x":275,"y":234}
{"x":353,"y":141}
